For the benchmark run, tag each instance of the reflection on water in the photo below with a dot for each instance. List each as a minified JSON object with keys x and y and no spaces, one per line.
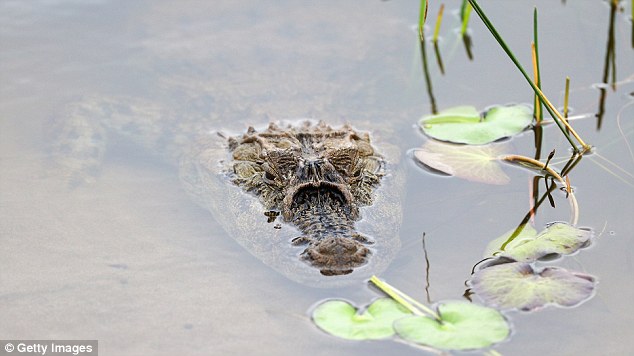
{"x":129,"y":260}
{"x":609,"y":65}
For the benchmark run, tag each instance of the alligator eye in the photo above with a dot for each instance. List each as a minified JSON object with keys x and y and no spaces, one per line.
{"x":269,"y":176}
{"x":343,"y":159}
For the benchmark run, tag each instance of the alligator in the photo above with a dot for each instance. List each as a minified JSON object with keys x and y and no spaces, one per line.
{"x":330,"y":191}
{"x":337,"y":196}
{"x":316,"y":177}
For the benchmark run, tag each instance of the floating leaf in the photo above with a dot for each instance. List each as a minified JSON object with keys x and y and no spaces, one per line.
{"x":474,"y":163}
{"x":463,"y":124}
{"x":557,"y":239}
{"x":340,"y":318}
{"x":461,"y":326}
{"x":517,"y":286}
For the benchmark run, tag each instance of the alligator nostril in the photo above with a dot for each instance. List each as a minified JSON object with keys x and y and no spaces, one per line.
{"x":315,"y":162}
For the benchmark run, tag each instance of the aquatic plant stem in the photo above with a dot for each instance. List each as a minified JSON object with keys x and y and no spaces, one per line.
{"x":430,"y":91}
{"x":526,"y":218}
{"x":549,"y":106}
{"x":421,"y":17}
{"x":404,"y":299}
{"x":427,"y":264}
{"x":534,"y":162}
{"x":609,"y":64}
{"x":390,"y":292}
{"x":615,"y":4}
{"x":435,"y":38}
{"x":559,"y":119}
{"x":566,"y":96}
{"x":438,"y":22}
{"x":466,"y":13}
{"x":423,"y":54}
{"x":574,"y":207}
{"x":439,"y":58}
{"x":572,"y":163}
{"x":539,"y":114}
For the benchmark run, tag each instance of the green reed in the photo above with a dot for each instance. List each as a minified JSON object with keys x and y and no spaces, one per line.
{"x":557,"y":117}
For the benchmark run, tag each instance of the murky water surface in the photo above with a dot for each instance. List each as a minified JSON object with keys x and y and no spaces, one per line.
{"x":129,"y":260}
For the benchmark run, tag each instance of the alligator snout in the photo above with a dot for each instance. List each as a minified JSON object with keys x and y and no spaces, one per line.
{"x":336,"y":255}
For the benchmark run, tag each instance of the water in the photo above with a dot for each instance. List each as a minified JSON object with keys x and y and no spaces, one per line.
{"x":128,"y":259}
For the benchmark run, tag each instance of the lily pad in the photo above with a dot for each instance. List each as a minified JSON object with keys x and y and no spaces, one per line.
{"x":462,"y":326}
{"x":340,"y":318}
{"x":474,"y":163}
{"x":557,"y":239}
{"x":464,"y":124}
{"x":518,"y":286}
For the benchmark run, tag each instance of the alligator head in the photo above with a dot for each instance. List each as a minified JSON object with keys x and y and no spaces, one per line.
{"x":317,"y":177}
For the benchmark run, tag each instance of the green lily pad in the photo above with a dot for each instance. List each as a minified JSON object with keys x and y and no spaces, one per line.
{"x":474,"y":163}
{"x":463,"y":124}
{"x":462,"y":326}
{"x":557,"y":239}
{"x":518,"y":286}
{"x":340,"y":318}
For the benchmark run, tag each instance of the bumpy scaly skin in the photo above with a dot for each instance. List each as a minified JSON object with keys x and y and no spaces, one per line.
{"x":317,"y":177}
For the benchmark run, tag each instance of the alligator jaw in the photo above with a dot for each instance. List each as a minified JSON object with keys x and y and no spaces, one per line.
{"x":325,"y":213}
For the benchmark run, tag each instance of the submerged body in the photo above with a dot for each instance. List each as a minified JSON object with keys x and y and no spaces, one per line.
{"x":337,"y":193}
{"x":338,"y":198}
{"x":182,"y":84}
